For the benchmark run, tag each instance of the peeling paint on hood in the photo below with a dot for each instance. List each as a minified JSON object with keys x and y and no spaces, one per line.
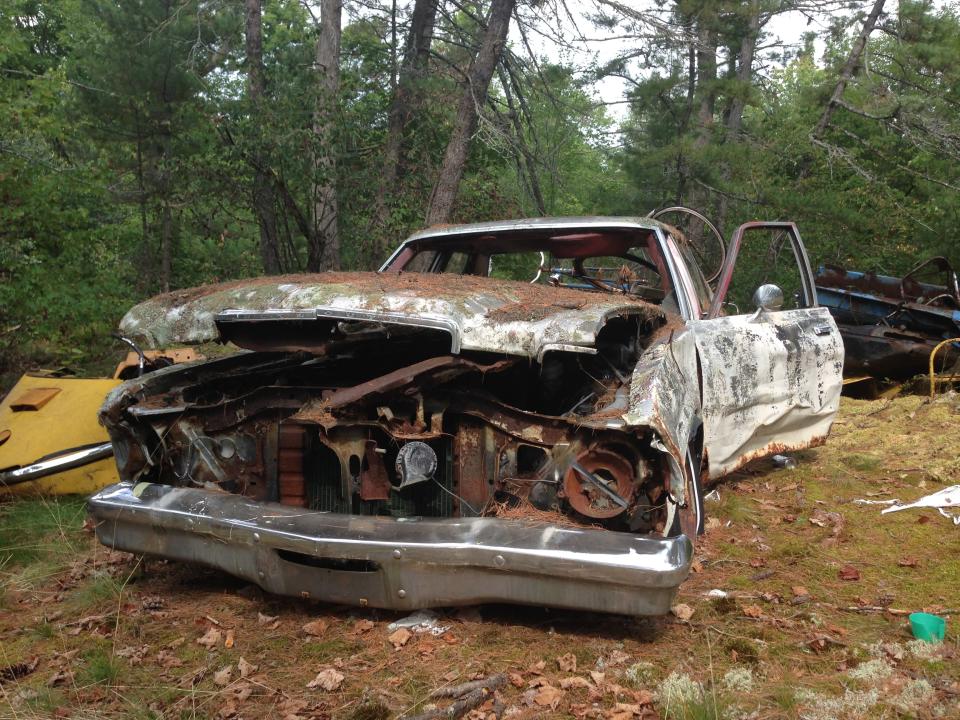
{"x":484,"y":314}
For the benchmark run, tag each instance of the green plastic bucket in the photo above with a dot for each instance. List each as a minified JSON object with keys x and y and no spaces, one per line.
{"x":927,"y":627}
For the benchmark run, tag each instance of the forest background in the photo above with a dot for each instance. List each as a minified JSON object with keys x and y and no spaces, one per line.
{"x":154,"y":144}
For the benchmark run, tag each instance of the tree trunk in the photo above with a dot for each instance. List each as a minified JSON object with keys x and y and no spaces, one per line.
{"x":850,"y":68}
{"x":526,"y":163}
{"x":706,"y":74}
{"x":681,"y":162}
{"x":264,"y":200}
{"x":405,"y":101}
{"x":474,"y":97}
{"x":166,"y":245}
{"x":323,"y":252}
{"x":748,"y":48}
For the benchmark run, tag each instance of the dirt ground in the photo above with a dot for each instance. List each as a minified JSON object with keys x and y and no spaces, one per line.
{"x":812,"y":624}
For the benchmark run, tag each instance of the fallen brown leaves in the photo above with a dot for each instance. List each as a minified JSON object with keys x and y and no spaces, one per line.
{"x":548,"y":696}
{"x":210,"y":639}
{"x":246,"y":668}
{"x":272,"y":622}
{"x":753,"y":611}
{"x":363,"y":626}
{"x":399,"y":637}
{"x":848,"y":573}
{"x":575,"y":682}
{"x":328,"y":680}
{"x":221,"y":678}
{"x":316,"y":628}
{"x":167,"y":659}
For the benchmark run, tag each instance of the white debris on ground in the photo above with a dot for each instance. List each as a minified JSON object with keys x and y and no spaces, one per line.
{"x":422,"y":621}
{"x":947,"y":498}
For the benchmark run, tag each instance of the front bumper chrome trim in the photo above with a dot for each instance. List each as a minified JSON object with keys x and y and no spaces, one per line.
{"x":401,"y":564}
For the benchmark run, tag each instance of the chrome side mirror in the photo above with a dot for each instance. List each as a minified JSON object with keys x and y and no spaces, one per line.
{"x":768,"y":297}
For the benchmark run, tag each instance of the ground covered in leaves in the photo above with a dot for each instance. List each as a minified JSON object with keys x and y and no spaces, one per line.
{"x":796,"y":609}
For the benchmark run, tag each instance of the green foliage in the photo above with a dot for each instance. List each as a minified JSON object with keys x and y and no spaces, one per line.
{"x":37,"y":529}
{"x":129,"y":136}
{"x":876,"y":193}
{"x":100,"y":666}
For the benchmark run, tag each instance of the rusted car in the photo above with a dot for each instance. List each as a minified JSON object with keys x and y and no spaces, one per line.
{"x":522,"y":412}
{"x":891,"y":325}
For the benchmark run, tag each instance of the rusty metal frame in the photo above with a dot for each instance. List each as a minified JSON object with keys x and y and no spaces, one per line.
{"x":933,"y":374}
{"x":800,"y":253}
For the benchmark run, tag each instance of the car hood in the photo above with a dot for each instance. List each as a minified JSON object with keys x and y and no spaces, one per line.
{"x":479,"y":313}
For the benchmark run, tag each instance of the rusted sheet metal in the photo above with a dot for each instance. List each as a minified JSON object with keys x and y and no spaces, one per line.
{"x":433,"y":370}
{"x":890,"y":324}
{"x":664,"y":398}
{"x":474,"y":456}
{"x":291,"y":481}
{"x":886,"y":352}
{"x":374,"y":482}
{"x":485,"y":314}
{"x":771,"y":382}
{"x":910,"y":288}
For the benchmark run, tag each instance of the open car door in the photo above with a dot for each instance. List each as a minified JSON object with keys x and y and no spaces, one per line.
{"x":772,"y":373}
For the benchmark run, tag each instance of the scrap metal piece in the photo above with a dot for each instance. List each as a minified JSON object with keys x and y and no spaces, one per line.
{"x":374,"y":482}
{"x":947,"y":498}
{"x":34,"y":399}
{"x":598,"y":483}
{"x":891,"y":325}
{"x":291,"y":483}
{"x":416,"y":463}
{"x":933,"y":374}
{"x":66,"y":460}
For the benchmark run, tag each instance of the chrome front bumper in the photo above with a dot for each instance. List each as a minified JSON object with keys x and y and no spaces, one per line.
{"x":401,"y":564}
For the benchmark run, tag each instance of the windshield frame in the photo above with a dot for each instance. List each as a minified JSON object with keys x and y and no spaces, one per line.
{"x":447,"y":239}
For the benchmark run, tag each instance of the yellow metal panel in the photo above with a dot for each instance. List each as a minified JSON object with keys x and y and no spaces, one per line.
{"x":84,"y":480}
{"x":68,"y":420}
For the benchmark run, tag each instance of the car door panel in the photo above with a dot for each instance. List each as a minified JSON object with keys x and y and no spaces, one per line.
{"x":771,"y":383}
{"x":771,"y":379}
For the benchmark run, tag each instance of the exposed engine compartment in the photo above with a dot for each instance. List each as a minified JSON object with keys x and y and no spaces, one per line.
{"x":384,"y":420}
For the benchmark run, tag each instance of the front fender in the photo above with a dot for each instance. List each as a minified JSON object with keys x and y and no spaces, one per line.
{"x":665,"y":397}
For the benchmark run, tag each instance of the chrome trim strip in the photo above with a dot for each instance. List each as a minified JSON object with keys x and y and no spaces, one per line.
{"x":66,"y":460}
{"x":402,"y":564}
{"x":564,"y":347}
{"x":679,"y":280}
{"x":529,"y":224}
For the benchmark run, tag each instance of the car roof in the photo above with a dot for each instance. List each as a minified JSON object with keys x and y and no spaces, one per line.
{"x":539,"y":223}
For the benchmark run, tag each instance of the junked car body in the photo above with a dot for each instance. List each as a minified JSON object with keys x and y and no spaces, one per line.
{"x":892,"y":325}
{"x":447,"y":432}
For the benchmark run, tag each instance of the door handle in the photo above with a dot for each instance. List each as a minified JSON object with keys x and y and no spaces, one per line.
{"x":823,"y":329}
